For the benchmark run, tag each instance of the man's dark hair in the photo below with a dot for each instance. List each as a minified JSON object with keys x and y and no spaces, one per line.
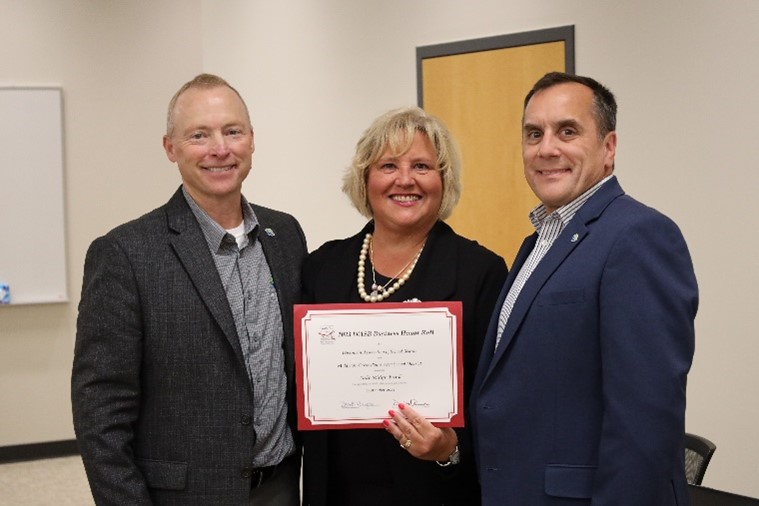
{"x":605,"y":106}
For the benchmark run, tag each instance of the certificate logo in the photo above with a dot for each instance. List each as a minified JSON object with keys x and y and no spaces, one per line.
{"x":327,"y":334}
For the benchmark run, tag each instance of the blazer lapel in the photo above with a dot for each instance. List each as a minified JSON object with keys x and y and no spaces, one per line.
{"x":571,"y":237}
{"x":270,"y":245}
{"x":191,"y":248}
{"x":519,"y":260}
{"x":273,"y":246}
{"x":560,"y":249}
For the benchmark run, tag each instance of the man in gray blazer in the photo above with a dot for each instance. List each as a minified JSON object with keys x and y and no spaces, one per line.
{"x":182,"y":383}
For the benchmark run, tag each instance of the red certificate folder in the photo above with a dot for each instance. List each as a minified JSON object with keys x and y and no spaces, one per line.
{"x":355,"y":362}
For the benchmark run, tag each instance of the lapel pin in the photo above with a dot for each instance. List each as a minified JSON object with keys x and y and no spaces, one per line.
{"x":575,"y":237}
{"x":269,"y":232}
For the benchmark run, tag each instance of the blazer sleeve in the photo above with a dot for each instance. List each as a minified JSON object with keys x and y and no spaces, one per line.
{"x":105,"y":382}
{"x":649,"y":299}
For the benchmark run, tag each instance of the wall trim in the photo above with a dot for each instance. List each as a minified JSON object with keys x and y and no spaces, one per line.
{"x":36,"y":451}
{"x":564,"y":34}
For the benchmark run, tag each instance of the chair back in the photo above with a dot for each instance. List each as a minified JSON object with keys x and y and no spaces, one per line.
{"x":698,"y":453}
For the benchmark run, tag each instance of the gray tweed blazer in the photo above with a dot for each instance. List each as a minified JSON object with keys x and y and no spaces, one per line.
{"x":162,"y":403}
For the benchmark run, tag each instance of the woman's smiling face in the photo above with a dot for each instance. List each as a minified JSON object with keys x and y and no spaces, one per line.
{"x":405,"y":190}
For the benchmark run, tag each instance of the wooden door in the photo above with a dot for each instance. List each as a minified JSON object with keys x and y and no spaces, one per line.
{"x":479,"y":95}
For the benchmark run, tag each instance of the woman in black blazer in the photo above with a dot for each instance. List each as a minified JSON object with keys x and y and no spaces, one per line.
{"x":405,"y":177}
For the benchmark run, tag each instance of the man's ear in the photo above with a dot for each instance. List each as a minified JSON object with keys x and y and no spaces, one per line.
{"x":610,"y":148}
{"x":168,"y":146}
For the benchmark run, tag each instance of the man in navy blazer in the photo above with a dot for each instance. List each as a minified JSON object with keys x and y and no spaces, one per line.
{"x":579,"y":397}
{"x":182,"y":385}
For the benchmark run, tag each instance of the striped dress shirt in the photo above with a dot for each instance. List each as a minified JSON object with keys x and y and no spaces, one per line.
{"x":548,"y":227}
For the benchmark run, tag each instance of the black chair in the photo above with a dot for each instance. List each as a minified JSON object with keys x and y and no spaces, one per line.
{"x":698,"y":453}
{"x":705,"y":496}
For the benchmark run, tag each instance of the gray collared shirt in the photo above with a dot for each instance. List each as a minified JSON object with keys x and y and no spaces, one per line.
{"x":548,"y":227}
{"x":252,"y":297}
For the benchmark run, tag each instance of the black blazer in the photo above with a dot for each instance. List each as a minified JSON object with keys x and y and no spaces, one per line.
{"x":162,"y":403}
{"x":450,"y":268}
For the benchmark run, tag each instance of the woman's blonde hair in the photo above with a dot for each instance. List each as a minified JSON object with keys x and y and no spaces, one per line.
{"x":395,"y":131}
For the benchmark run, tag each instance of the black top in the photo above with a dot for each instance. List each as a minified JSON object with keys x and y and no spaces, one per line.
{"x":365,"y":466}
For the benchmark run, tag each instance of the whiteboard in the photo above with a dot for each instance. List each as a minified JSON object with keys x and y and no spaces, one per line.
{"x":32,"y":238}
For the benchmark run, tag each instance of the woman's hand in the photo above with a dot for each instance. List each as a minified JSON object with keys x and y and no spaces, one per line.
{"x":418,"y":436}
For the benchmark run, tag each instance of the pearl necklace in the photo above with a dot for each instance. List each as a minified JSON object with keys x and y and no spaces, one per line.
{"x":380,"y":293}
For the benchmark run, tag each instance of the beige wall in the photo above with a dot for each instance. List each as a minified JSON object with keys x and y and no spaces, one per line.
{"x":316,"y":73}
{"x":118,"y":64}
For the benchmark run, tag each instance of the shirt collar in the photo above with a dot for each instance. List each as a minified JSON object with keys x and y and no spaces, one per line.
{"x":214,"y":232}
{"x":566,"y":212}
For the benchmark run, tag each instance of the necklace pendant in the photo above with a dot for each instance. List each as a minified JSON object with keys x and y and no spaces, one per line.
{"x":381,"y":292}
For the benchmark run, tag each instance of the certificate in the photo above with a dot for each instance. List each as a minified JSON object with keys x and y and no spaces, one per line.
{"x":355,"y":362}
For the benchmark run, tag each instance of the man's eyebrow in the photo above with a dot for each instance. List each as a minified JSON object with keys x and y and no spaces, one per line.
{"x":569,"y":123}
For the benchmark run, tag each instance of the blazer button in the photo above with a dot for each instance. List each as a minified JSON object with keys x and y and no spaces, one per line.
{"x":246,"y":472}
{"x":246,"y":419}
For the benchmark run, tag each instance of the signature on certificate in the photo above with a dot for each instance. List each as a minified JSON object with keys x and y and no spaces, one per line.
{"x":356,"y":404}
{"x":414,"y":403}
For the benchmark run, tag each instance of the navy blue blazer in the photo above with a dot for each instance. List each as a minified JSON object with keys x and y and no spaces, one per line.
{"x":584,"y":398}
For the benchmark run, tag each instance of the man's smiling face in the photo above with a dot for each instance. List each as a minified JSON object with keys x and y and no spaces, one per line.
{"x":211,"y":142}
{"x":562,"y":151}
